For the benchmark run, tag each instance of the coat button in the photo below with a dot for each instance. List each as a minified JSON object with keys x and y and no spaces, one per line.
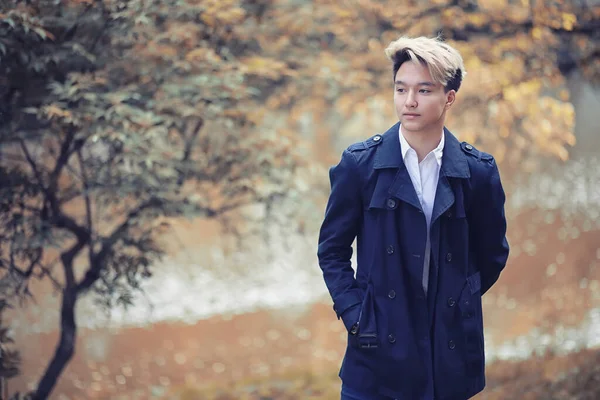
{"x":377,"y":138}
{"x":451,"y":302}
{"x":449,"y":257}
{"x":449,"y":214}
{"x":391,"y":338}
{"x":451,"y":345}
{"x":392,"y":294}
{"x":391,"y":203}
{"x":469,"y":147}
{"x":390,"y":249}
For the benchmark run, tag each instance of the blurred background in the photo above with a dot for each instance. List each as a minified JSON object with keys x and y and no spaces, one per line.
{"x":164,"y":173}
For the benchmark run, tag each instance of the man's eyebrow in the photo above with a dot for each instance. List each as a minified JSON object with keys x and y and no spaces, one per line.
{"x":427,"y":83}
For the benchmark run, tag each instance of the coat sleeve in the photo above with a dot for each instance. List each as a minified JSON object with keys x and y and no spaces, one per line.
{"x":340,"y":227}
{"x":488,"y":227}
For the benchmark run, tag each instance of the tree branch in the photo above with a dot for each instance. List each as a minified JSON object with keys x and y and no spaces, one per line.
{"x":189,"y":142}
{"x":66,"y":222}
{"x":66,"y":346}
{"x":29,"y":271}
{"x":60,"y":220}
{"x":32,"y":164}
{"x":511,"y":28}
{"x":99,"y":259}
{"x":86,"y":195}
{"x":63,"y":158}
{"x":46,"y":271}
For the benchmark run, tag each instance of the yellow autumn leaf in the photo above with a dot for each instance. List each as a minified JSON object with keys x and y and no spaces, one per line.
{"x":570,"y":139}
{"x":202,"y":54}
{"x":568,"y":21}
{"x":208,"y":19}
{"x":477,"y":19}
{"x":55,"y":111}
{"x":229,"y":16}
{"x":511,"y":93}
{"x":448,"y":13}
{"x":162,"y":50}
{"x":561,"y":152}
{"x":265,"y":67}
{"x":343,"y":13}
{"x":473,"y":63}
{"x":546,"y":127}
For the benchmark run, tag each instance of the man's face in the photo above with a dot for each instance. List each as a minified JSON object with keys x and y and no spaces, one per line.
{"x":420,"y":102}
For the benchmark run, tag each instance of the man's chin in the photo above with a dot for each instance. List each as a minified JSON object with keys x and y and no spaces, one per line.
{"x":410,"y":126}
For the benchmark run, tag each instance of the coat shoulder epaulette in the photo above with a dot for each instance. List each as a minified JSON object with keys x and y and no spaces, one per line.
{"x":472,"y":151}
{"x":366,"y":144}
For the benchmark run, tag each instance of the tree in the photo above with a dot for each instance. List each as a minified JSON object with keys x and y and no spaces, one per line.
{"x":514,"y":100}
{"x":119,"y":117}
{"x":9,"y":358}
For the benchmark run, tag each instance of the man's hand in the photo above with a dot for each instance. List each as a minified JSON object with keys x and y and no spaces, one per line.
{"x":350,"y":318}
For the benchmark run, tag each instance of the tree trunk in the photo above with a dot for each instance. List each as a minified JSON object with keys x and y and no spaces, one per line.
{"x":65,"y":349}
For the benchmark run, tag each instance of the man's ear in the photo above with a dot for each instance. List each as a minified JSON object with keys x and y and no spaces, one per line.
{"x":450,"y":98}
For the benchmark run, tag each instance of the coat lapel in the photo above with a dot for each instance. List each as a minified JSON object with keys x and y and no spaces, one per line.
{"x":400,"y":186}
{"x":389,"y":156}
{"x":454,"y":165}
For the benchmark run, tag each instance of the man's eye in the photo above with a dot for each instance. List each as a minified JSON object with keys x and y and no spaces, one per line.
{"x":425,"y":91}
{"x":400,"y":90}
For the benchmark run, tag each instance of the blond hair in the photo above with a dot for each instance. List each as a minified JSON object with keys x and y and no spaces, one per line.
{"x":444,"y":62}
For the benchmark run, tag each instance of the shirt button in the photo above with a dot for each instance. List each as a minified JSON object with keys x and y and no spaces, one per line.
{"x":451,"y":302}
{"x":392,"y":294}
{"x":451,"y":345}
{"x":390,"y":249}
{"x":391,"y":338}
{"x":449,"y":257}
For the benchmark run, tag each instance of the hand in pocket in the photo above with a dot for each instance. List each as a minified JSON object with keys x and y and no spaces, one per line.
{"x":351,"y":316}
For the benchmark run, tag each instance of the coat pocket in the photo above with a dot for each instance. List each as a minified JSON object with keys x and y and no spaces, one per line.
{"x":472,"y":323}
{"x":366,"y":337}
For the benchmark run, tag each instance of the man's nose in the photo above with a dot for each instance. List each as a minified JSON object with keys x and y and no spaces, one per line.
{"x":411,"y":100}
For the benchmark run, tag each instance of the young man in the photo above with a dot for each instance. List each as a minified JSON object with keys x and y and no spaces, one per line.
{"x":427,"y":213}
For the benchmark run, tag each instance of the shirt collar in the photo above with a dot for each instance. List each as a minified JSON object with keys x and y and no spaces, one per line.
{"x":405,"y":147}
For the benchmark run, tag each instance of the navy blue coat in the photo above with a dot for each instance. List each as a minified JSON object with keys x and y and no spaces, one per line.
{"x":405,"y":343}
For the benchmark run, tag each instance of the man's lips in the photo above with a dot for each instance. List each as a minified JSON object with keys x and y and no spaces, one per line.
{"x":411,"y":115}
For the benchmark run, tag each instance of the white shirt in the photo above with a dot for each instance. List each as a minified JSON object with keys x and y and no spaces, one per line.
{"x":424,"y":176}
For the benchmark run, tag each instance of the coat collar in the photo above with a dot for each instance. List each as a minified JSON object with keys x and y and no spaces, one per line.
{"x":438,"y":152}
{"x":454,"y":161}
